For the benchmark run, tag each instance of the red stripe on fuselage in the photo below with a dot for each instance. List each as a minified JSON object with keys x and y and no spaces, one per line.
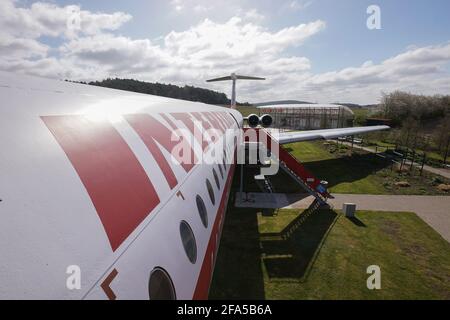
{"x":151,"y":131}
{"x":117,"y":184}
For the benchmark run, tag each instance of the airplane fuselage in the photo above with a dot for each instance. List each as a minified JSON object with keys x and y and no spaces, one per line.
{"x":88,"y":180}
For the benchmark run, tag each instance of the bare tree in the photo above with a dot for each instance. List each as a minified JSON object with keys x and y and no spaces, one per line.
{"x":442,"y":137}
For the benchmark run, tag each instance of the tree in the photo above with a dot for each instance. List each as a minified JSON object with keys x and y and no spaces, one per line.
{"x":400,"y":105}
{"x":166,"y":90}
{"x":442,"y":137}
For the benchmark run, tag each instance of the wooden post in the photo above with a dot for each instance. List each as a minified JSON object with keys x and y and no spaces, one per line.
{"x":405,"y":155}
{"x":412,"y":160}
{"x":353,"y":139}
{"x":423,"y":163}
{"x":446,"y":151}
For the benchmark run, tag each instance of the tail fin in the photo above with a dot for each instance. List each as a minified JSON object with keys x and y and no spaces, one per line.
{"x":233,"y":77}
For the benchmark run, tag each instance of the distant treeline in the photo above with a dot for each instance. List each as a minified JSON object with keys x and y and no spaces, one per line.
{"x":166,"y":90}
{"x":399,"y":106}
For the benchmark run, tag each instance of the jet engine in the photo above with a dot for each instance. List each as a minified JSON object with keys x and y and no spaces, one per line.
{"x":265,"y":121}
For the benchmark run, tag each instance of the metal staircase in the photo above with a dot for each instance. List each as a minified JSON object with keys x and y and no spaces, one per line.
{"x":306,"y":180}
{"x":298,"y":172}
{"x":264,"y":184}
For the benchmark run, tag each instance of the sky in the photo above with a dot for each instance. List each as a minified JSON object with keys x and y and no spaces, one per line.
{"x":313,"y":50}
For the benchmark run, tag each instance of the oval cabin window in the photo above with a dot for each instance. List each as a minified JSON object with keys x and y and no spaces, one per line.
{"x":220,"y":170}
{"x":202,"y":211}
{"x":216,"y":179}
{"x":160,"y":286}
{"x":188,"y":240}
{"x":210,"y":192}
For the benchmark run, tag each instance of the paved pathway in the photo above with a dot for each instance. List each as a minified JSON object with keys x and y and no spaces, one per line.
{"x":434,"y":210}
{"x":442,"y":172}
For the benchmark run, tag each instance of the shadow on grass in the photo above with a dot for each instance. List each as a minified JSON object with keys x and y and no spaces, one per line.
{"x":238,"y":273}
{"x":291,"y":253}
{"x":357,"y":222}
{"x":335,"y":171}
{"x":347,"y":169}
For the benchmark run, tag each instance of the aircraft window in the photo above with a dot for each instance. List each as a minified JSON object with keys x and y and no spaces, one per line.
{"x":220,"y":170}
{"x":202,"y":211}
{"x":216,"y":178}
{"x":210,"y":191}
{"x":160,"y":286}
{"x":188,"y":239}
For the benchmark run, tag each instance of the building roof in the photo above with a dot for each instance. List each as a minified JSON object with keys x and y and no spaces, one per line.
{"x":305,"y":106}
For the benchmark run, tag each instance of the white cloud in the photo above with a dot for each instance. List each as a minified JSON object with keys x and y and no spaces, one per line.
{"x":21,"y":48}
{"x":299,"y":5}
{"x":46,"y":19}
{"x":207,"y":49}
{"x":414,"y":70}
{"x":235,"y":39}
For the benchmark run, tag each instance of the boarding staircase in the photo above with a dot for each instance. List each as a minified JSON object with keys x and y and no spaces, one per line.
{"x":297,"y":171}
{"x":264,"y":183}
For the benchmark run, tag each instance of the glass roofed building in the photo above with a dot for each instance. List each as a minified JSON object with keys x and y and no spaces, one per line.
{"x":308,"y":116}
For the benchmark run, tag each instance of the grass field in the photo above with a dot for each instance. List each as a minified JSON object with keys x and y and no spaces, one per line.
{"x":247,"y":110}
{"x":324,"y":255}
{"x":371,"y":143}
{"x":362,"y":172}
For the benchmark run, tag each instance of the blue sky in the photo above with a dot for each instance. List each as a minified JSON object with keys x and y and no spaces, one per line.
{"x":323,"y":60}
{"x":345,"y":42}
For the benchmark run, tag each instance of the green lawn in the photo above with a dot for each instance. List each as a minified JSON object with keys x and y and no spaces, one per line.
{"x":247,"y":110}
{"x":360,"y":172}
{"x":324,"y":255}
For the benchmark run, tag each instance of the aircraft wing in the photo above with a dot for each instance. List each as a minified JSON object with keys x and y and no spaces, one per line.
{"x":289,"y":137}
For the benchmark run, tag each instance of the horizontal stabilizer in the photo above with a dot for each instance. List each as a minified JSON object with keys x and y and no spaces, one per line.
{"x":234,"y":77}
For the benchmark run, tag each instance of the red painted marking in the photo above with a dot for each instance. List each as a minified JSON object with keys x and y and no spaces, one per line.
{"x":179,"y":194}
{"x":152,"y":131}
{"x":106,"y":285}
{"x":199,"y":117}
{"x":188,"y":121}
{"x":221,"y":117}
{"x":230,"y":118}
{"x":170,"y":122}
{"x":117,"y":184}
{"x":213,"y":120}
{"x":205,"y":276}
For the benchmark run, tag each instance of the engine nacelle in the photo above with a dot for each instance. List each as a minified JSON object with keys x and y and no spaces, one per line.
{"x":266,"y":120}
{"x":253,"y":120}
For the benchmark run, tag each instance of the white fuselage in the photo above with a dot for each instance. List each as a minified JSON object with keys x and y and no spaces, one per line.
{"x":87,"y":179}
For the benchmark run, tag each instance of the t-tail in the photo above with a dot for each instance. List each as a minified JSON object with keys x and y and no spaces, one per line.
{"x":233,"y":77}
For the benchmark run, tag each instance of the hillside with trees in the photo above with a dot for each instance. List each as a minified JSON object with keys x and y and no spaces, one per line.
{"x":399,"y":106}
{"x":189,"y":93}
{"x":421,"y":123}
